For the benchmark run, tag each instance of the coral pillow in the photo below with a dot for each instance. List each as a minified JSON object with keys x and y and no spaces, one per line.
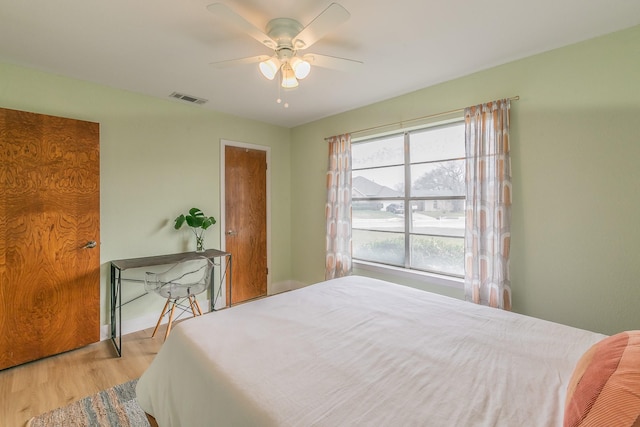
{"x":605,"y":386}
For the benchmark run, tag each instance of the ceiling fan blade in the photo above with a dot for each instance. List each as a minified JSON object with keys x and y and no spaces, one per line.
{"x":328,"y":19}
{"x":229,"y":16}
{"x":240,"y":61}
{"x":332,"y":62}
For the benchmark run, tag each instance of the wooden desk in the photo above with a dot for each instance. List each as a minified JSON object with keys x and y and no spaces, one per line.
{"x":118,"y":266}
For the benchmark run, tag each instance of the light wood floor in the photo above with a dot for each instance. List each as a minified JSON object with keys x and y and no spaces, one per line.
{"x":37,"y":387}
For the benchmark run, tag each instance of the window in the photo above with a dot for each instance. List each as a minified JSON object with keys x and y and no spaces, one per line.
{"x":408,"y":199}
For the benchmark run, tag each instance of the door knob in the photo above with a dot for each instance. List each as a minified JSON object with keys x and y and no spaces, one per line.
{"x":90,"y":245}
{"x":231,"y":233}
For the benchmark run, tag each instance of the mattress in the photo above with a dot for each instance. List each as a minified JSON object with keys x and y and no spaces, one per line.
{"x":357,"y":351}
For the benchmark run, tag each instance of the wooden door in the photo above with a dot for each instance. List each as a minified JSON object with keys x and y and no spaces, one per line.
{"x":49,"y":210}
{"x":246,"y":221}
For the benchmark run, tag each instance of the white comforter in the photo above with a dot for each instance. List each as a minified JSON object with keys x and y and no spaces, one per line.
{"x":362,"y":352}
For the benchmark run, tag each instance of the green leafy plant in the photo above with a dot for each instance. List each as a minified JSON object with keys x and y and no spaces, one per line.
{"x":198,"y":222}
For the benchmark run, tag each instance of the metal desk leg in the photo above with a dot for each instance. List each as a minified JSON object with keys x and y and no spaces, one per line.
{"x":224,"y":275}
{"x":116,"y":309}
{"x":230,"y":279}
{"x":212,"y":290}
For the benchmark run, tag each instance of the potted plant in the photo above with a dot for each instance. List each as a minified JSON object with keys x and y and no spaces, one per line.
{"x":198,"y":222}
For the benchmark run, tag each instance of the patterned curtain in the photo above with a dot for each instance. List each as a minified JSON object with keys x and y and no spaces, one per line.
{"x":338,"y":208}
{"x":488,"y":207}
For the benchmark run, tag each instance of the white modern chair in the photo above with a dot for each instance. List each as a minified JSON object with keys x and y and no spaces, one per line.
{"x":179,"y":285}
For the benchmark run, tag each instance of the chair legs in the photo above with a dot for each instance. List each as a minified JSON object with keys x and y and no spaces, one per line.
{"x":195,"y":307}
{"x":173,"y":306}
{"x":193,"y":304}
{"x":164,"y":310}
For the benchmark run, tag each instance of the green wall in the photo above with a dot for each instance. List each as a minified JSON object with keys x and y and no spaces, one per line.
{"x":575,"y":250}
{"x":576,"y":147}
{"x":158,"y":158}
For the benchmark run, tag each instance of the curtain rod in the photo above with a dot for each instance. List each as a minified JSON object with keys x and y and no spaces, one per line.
{"x":430,"y":116}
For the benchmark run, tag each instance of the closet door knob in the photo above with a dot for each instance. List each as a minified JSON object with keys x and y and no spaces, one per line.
{"x":231,"y":233}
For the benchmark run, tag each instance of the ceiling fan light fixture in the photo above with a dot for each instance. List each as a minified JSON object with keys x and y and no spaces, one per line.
{"x":269,"y":68}
{"x":287,"y":37}
{"x":301,"y":68}
{"x":289,"y":80}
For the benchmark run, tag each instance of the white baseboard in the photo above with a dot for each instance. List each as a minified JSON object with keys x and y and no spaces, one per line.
{"x":284,"y":286}
{"x":149,"y":321}
{"x":143,"y":322}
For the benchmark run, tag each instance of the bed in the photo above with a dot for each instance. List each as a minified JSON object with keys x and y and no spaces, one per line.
{"x":357,"y":351}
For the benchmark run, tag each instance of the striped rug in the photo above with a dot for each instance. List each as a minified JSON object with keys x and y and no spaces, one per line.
{"x":114,"y":407}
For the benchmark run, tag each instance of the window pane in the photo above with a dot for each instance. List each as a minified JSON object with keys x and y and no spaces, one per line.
{"x":382,"y":215}
{"x":440,"y":217}
{"x":430,"y":219}
{"x":440,"y":143}
{"x":442,"y":179}
{"x":379,"y":152}
{"x":378,"y":182}
{"x":375,"y":246}
{"x":438,"y":254}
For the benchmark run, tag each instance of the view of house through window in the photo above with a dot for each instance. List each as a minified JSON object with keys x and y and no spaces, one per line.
{"x":408,"y":199}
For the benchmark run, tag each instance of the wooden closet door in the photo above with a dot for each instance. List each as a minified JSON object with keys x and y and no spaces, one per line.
{"x":49,"y":211}
{"x":246,"y":221}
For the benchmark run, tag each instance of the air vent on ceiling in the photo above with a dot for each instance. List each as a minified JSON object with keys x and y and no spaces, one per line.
{"x":188,"y":98}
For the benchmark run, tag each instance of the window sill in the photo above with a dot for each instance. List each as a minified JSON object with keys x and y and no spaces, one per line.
{"x":436,"y":279}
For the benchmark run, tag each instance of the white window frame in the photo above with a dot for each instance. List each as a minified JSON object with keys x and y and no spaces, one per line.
{"x":405,"y":272}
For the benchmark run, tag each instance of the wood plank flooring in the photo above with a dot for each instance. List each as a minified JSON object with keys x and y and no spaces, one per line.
{"x":37,"y":387}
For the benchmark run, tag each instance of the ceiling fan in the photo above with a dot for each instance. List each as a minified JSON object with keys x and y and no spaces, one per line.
{"x":287,"y":37}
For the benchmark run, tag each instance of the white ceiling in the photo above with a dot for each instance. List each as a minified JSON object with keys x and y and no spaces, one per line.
{"x":156,"y":47}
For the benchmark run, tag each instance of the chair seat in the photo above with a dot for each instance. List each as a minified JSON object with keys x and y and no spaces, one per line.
{"x":179,"y":290}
